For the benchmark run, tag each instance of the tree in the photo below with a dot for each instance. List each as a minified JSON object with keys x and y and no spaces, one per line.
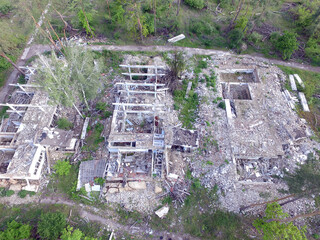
{"x":62,"y":167}
{"x":16,"y":231}
{"x":305,"y":180}
{"x":285,"y":44}
{"x":74,"y":77}
{"x":51,"y":225}
{"x":85,"y":72}
{"x":177,"y":65}
{"x":273,"y":228}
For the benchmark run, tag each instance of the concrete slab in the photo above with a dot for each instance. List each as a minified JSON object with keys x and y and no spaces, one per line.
{"x":292,"y":83}
{"x":228,"y":108}
{"x":304,"y":102}
{"x":299,"y":80}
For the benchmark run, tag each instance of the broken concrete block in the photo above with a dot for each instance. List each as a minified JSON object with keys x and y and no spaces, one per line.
{"x":299,"y":80}
{"x":113,"y":190}
{"x":228,"y":108}
{"x":137,"y":185}
{"x":31,"y":187}
{"x":157,"y":189}
{"x":292,"y":83}
{"x":173,"y":176}
{"x":15,"y":187}
{"x":304,"y":102}
{"x":162,"y":212}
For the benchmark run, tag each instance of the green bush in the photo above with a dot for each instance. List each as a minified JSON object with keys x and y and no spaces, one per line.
{"x":313,"y":50}
{"x":64,"y":123}
{"x":222,"y":105}
{"x":24,"y":193}
{"x":235,"y":37}
{"x":286,"y":44}
{"x":51,"y":225}
{"x":62,"y":167}
{"x":202,"y":27}
{"x":199,"y":4}
{"x":16,"y":231}
{"x":6,"y":7}
{"x":99,"y":181}
{"x":255,"y":37}
{"x":9,"y":193}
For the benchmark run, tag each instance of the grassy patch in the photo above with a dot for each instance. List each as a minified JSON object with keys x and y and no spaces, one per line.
{"x":94,"y":138}
{"x":64,"y":123}
{"x":200,"y":216}
{"x":311,"y":81}
{"x":188,"y":107}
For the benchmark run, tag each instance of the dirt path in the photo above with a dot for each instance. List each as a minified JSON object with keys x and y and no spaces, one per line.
{"x":138,"y":231}
{"x":199,"y":51}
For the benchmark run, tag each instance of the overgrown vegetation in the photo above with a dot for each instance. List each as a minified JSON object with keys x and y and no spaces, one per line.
{"x":188,"y":107}
{"x":47,"y":222}
{"x":312,"y":91}
{"x":94,"y":138}
{"x":201,"y":217}
{"x":64,"y":123}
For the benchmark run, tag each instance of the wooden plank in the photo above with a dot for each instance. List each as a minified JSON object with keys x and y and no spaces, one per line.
{"x":299,"y":80}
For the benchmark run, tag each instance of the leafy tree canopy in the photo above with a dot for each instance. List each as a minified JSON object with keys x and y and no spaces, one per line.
{"x":276,"y":230}
{"x":15,"y":231}
{"x":51,"y":225}
{"x":285,"y":44}
{"x":62,"y":167}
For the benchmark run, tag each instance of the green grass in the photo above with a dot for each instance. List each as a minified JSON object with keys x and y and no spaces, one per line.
{"x":200,"y":216}
{"x":311,"y":81}
{"x":94,"y":138}
{"x":64,"y":123}
{"x":188,"y":108}
{"x":65,"y":184}
{"x":30,"y":214}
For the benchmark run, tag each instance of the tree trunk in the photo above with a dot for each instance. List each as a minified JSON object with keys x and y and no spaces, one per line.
{"x":2,"y":54}
{"x":109,"y":9}
{"x":154,"y":13}
{"x":237,"y":14}
{"x":263,"y":203}
{"x":179,"y":2}
{"x":296,"y":217}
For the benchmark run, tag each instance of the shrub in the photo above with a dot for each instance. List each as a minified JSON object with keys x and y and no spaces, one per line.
{"x":222,"y":105}
{"x":313,"y":50}
{"x":285,"y":44}
{"x":199,"y":4}
{"x":24,"y":193}
{"x":255,"y":37}
{"x":99,"y":181}
{"x":9,"y":193}
{"x":201,"y":27}
{"x":51,"y":225}
{"x":6,"y":7}
{"x":62,"y":167}
{"x":16,"y":231}
{"x":64,"y":123}
{"x":235,"y":37}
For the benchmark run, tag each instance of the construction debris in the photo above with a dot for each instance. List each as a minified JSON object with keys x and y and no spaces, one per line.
{"x":162,"y":212}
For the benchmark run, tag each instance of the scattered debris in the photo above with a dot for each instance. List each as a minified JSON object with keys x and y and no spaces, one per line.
{"x":162,"y":212}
